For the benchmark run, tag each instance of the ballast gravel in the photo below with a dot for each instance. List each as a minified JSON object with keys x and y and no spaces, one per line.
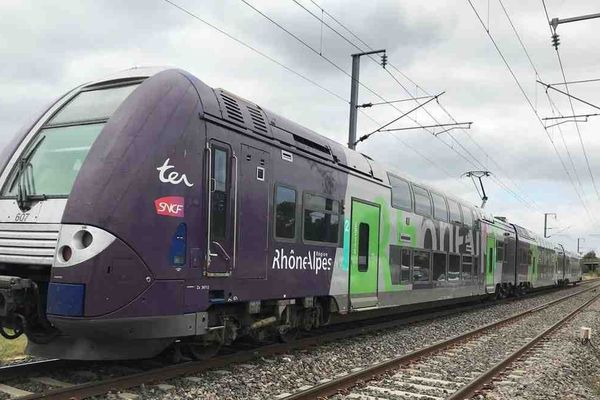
{"x":271,"y":377}
{"x":563,"y":367}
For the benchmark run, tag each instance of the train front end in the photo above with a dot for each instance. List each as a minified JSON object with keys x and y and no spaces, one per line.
{"x":71,"y":221}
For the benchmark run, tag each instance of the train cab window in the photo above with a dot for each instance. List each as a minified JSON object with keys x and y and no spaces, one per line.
{"x":440,"y":209}
{"x":52,"y":160}
{"x":467,"y":216}
{"x":92,"y":105}
{"x":454,"y":212}
{"x":321,"y":219}
{"x":401,"y":197}
{"x":439,"y":267}
{"x":422,"y":201}
{"x":421,"y":266}
{"x":467,"y":267}
{"x":363,"y":247}
{"x":219,"y":199}
{"x":285,"y":212}
{"x":453,"y":267}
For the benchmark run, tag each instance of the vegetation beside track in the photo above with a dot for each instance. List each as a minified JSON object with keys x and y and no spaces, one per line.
{"x":11,"y":349}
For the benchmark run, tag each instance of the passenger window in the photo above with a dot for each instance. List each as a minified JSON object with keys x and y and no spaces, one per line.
{"x":440,"y":210}
{"x":422,"y":201}
{"x":421,"y":262}
{"x":454,"y":212}
{"x":363,"y":247}
{"x":285,"y":212}
{"x":405,"y":265}
{"x":499,"y":251}
{"x":467,"y":216}
{"x":467,"y":267}
{"x":321,"y":219}
{"x":401,"y":197}
{"x":219,"y":194}
{"x":454,"y":267}
{"x":399,"y":264}
{"x":439,"y":267}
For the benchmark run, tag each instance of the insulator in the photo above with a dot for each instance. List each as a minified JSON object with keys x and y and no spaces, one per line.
{"x":384,"y":60}
{"x":555,"y":40}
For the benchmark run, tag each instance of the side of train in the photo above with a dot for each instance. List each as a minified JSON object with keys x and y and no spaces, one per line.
{"x":148,"y":208}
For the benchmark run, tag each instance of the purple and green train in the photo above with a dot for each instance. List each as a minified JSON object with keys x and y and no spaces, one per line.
{"x":148,"y":209}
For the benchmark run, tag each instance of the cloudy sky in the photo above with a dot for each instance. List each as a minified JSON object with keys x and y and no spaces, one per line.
{"x":47,"y":48}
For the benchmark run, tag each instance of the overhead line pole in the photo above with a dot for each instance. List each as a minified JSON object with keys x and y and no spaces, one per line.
{"x":546,"y":229}
{"x":354,"y":95}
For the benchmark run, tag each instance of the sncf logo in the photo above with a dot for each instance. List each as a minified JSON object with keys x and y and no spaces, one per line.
{"x":172,"y":206}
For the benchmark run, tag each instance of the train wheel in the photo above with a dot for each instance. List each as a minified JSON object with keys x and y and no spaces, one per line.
{"x":288,"y":335}
{"x":201,"y":351}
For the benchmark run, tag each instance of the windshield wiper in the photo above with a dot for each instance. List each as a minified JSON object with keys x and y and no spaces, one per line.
{"x":25,"y":182}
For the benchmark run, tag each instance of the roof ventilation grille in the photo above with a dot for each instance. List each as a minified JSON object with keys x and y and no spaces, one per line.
{"x":257,"y":119}
{"x":233,"y":109}
{"x":311,"y":144}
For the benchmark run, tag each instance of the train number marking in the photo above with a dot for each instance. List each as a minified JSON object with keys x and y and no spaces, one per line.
{"x":21,"y":217}
{"x":174,"y":178}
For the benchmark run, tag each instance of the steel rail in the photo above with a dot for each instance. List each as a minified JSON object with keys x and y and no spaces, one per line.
{"x":474,"y":386}
{"x":17,"y":370}
{"x":345,"y":382}
{"x":101,"y":387}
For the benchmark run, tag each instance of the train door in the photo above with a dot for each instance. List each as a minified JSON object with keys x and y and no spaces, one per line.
{"x":222,"y":190}
{"x":253,"y":213}
{"x":364,"y":254}
{"x":490,"y":263}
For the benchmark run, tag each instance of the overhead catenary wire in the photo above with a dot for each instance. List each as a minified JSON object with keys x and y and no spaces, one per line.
{"x":241,"y":42}
{"x":533,"y":109}
{"x":538,"y":76}
{"x":254,"y":49}
{"x":302,"y":76}
{"x":562,"y":70}
{"x":471,"y":156}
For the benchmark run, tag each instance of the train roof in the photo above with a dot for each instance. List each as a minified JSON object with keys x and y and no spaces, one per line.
{"x":263,"y":122}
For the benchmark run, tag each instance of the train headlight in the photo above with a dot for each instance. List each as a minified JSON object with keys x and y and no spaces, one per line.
{"x":78,"y":243}
{"x":83,"y":239}
{"x":65,"y":253}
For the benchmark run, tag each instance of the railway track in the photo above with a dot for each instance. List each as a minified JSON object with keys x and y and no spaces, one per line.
{"x":451,"y":369}
{"x":145,"y":372}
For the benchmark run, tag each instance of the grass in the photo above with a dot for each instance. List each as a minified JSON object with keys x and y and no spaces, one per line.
{"x":11,"y":349}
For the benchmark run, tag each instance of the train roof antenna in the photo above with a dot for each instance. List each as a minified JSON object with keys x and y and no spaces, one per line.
{"x":479,"y":175}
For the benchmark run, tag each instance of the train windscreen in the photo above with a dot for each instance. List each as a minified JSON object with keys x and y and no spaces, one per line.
{"x":51,"y":162}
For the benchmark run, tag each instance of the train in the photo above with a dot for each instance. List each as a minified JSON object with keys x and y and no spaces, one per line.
{"x":147,"y":211}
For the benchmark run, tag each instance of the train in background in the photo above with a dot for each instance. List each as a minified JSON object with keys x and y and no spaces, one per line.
{"x":147,"y":209}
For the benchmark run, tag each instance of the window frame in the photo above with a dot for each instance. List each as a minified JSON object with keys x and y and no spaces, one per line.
{"x":459,"y":212}
{"x":413,"y":186}
{"x":412,"y":266}
{"x":360,"y":242}
{"x":33,"y":138}
{"x":410,"y":193}
{"x":218,"y":145}
{"x":278,"y":238}
{"x":447,"y":260}
{"x":450,"y":254}
{"x":340,"y":215}
{"x":431,"y":194}
{"x":464,"y":208}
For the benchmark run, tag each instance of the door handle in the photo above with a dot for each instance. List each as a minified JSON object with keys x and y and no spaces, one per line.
{"x":222,"y":251}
